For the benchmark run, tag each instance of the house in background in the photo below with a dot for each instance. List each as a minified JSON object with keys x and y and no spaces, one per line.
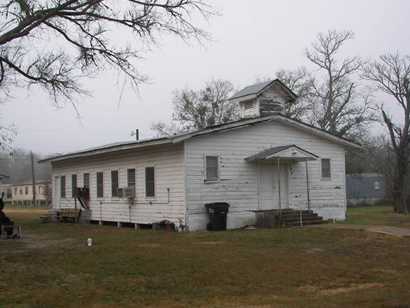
{"x":365,"y":188}
{"x":22,"y":193}
{"x":264,"y":161}
{"x":6,"y":189}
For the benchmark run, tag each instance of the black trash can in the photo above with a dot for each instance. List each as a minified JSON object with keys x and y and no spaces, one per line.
{"x":217,"y":216}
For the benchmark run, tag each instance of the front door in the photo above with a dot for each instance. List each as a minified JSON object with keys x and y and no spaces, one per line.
{"x":268,"y":185}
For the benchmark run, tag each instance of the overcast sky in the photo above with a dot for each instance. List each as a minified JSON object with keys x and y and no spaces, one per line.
{"x":251,"y":39}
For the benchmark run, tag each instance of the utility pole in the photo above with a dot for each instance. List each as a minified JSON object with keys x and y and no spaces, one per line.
{"x":33,"y":177}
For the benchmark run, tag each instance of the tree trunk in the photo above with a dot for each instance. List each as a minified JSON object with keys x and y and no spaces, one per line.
{"x":400,"y":191}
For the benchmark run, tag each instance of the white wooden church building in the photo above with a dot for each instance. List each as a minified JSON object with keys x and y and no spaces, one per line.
{"x":265,"y":160}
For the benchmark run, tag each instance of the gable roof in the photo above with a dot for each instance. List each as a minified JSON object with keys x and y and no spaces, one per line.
{"x":258,"y":88}
{"x":277,"y":117}
{"x":252,"y":89}
{"x":174,"y":139}
{"x":268,"y":153}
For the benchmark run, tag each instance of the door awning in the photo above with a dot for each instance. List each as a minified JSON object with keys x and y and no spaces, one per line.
{"x":286,"y":152}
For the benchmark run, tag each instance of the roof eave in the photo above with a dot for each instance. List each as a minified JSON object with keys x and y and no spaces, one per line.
{"x":322,"y":133}
{"x":82,"y":154}
{"x":235,"y":100}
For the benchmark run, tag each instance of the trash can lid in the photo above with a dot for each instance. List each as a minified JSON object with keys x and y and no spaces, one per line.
{"x":221,"y":206}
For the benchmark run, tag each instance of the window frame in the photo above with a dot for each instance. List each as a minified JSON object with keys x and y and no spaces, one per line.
{"x":114,"y":190}
{"x":326,"y":178}
{"x":206,"y":177}
{"x":153,"y":182}
{"x":133,"y":184}
{"x":74,"y":184}
{"x":86,"y":180}
{"x":63,"y":187}
{"x":100,"y":193}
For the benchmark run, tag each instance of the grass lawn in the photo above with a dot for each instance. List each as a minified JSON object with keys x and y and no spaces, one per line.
{"x":377,"y":215}
{"x":310,"y":267}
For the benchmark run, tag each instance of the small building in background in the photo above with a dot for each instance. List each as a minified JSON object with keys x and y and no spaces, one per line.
{"x":365,"y":188}
{"x":22,"y":193}
{"x":6,"y":189}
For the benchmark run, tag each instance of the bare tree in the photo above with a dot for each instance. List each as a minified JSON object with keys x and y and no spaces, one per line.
{"x":197,"y":109}
{"x":300,"y":81}
{"x":391,"y":74}
{"x":83,"y":38}
{"x":7,"y":135}
{"x":163,"y":129}
{"x":376,"y":156}
{"x":338,"y":106}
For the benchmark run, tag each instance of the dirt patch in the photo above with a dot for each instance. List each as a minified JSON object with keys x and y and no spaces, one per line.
{"x":210,"y":243}
{"x":385,"y":271}
{"x":308,"y":289}
{"x":314,"y":250}
{"x":340,"y":290}
{"x":385,"y":230}
{"x":34,"y":242}
{"x":46,"y":243}
{"x":149,"y":245}
{"x":351,"y":288}
{"x":393,"y":231}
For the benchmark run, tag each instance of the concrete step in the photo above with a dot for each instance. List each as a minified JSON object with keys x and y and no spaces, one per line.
{"x":299,"y":214}
{"x":307,"y":223}
{"x":303,"y":218}
{"x":291,"y":218}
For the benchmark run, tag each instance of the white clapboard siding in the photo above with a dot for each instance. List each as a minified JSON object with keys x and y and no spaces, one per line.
{"x":169,"y":173}
{"x":238,"y":179}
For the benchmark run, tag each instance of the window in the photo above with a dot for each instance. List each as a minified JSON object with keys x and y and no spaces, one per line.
{"x":114,"y":183}
{"x":39,"y":189}
{"x":100,"y":184}
{"x":211,"y":168}
{"x":131,"y":178}
{"x":21,"y":191}
{"x":376,"y":185}
{"x":86,"y":180}
{"x":73,"y":185}
{"x":326,"y":173}
{"x":15,"y":190}
{"x":62,"y":186}
{"x":26,"y":190}
{"x":149,"y":182}
{"x":248,"y":105}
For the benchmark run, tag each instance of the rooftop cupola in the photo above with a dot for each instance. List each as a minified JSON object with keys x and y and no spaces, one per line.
{"x":263,"y":99}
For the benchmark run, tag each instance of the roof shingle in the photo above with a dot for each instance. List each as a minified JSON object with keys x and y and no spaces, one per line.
{"x":252,"y":89}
